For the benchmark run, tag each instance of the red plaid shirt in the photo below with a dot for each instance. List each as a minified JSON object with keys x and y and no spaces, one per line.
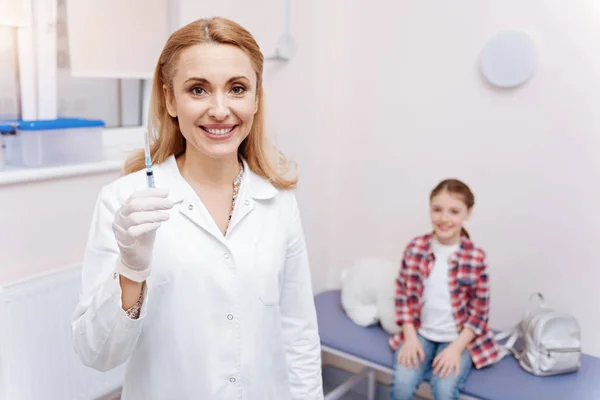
{"x":469,"y":291}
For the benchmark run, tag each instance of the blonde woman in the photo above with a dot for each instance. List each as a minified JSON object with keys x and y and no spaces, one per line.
{"x":202,"y":284}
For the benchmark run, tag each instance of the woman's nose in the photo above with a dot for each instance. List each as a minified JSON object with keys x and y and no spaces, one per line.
{"x":219,"y":108}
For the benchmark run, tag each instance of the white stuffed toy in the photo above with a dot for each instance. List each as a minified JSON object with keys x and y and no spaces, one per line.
{"x":369,"y":291}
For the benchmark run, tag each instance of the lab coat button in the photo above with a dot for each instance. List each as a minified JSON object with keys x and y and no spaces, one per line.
{"x":229,"y":317}
{"x":190,"y":207}
{"x":232,"y":379}
{"x":247,"y":202}
{"x":226,"y":255}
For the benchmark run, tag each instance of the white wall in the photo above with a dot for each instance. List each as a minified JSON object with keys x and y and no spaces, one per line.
{"x":413,"y":110}
{"x":300,"y":118}
{"x":44,"y":225}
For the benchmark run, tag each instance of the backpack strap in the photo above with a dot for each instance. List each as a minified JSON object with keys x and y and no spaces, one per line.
{"x":541,"y":301}
{"x":513,"y":334}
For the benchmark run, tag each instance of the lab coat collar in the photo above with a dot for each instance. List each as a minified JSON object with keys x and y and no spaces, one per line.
{"x":259,"y":188}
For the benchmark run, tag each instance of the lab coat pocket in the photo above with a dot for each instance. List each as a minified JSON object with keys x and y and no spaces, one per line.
{"x":269,"y":264}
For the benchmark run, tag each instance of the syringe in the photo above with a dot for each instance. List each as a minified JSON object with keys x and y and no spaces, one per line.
{"x":148,"y":159}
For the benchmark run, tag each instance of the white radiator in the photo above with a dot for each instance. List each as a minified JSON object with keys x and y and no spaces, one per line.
{"x":37,"y":360}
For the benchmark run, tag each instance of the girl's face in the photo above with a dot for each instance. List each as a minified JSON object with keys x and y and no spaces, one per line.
{"x":448,"y":215}
{"x":214,"y":98}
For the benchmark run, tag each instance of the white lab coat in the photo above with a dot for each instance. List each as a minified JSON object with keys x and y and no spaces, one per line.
{"x":223,"y":317}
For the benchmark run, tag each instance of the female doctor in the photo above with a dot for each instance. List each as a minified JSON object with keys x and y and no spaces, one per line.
{"x":202,"y":284}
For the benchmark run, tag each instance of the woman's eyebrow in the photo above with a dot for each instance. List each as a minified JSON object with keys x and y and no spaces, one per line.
{"x":205,"y":81}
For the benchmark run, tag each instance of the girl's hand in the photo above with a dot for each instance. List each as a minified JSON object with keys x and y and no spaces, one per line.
{"x":446,"y":361}
{"x":411,"y":353}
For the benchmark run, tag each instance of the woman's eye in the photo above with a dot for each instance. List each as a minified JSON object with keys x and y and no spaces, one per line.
{"x":238,"y":90}
{"x":197,"y":90}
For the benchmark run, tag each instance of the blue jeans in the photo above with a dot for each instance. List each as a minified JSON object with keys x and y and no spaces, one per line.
{"x":407,"y":380}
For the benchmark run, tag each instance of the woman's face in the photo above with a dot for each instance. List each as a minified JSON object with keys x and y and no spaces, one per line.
{"x":214,"y":98}
{"x":448,"y":215}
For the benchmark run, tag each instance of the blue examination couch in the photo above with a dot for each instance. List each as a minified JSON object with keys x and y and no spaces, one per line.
{"x":502,"y":381}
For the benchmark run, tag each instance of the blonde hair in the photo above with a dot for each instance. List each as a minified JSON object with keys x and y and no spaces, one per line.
{"x":165,"y":134}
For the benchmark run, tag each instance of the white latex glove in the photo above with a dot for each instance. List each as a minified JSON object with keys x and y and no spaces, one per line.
{"x":135,"y":228}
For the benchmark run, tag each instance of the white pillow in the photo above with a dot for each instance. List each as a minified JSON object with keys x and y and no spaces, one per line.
{"x":368,"y":292}
{"x":386,"y":304}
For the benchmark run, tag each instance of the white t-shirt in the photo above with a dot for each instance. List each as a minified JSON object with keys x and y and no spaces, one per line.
{"x":437,"y":319}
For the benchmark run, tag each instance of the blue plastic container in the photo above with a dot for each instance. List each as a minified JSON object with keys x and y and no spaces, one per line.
{"x":63,"y":141}
{"x":6,"y":128}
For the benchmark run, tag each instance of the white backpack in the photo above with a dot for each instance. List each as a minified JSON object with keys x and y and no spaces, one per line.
{"x":551,"y":342}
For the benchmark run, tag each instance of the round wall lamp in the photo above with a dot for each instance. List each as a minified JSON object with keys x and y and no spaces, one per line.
{"x":509,"y":59}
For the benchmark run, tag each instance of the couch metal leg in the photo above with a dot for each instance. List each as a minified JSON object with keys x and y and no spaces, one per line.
{"x":371,"y":385}
{"x":345,"y":387}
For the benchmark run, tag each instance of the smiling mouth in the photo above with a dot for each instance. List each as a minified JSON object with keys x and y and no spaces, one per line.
{"x":218,"y":132}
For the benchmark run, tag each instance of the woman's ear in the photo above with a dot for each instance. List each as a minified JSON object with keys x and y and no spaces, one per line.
{"x":170,"y":103}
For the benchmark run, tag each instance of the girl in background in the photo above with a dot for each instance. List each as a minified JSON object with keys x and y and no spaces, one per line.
{"x":442,"y":302}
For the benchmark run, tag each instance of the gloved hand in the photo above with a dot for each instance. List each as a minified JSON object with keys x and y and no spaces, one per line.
{"x":135,"y":226}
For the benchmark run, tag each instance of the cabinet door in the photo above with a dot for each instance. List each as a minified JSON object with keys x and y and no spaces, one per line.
{"x":12,"y":13}
{"x":116,"y":38}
